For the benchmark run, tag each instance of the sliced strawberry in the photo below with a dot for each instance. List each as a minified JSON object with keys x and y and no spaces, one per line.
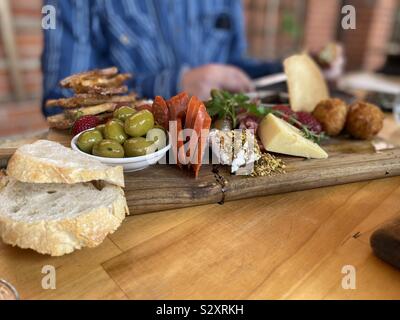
{"x":84,"y":123}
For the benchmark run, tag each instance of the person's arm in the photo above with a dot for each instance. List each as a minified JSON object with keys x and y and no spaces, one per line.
{"x":68,"y":49}
{"x":253,"y":67}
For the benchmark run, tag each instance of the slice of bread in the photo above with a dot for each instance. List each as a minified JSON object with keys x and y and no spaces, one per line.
{"x":50,"y":162}
{"x":60,"y":121}
{"x":57,"y":219}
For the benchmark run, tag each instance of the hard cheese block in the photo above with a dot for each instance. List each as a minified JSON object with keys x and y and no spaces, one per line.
{"x":306,"y":84}
{"x":281,"y":137}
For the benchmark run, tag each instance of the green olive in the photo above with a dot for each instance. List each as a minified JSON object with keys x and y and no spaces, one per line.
{"x":135,"y":147}
{"x":101,"y":127}
{"x":158,"y":136}
{"x":139,"y":123}
{"x":88,"y":139}
{"x":123,"y":113}
{"x":108,"y":149}
{"x":122,"y":123}
{"x":115,"y":131}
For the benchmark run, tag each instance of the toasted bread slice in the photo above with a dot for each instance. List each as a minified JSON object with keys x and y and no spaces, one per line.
{"x":57,"y":219}
{"x":50,"y":162}
{"x":86,"y":99}
{"x":90,"y":110}
{"x":306,"y":84}
{"x":60,"y":121}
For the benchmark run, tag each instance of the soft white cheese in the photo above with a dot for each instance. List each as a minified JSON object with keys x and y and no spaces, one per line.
{"x":237,"y":148}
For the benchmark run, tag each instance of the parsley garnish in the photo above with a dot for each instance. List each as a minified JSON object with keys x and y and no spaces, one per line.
{"x":224,"y":104}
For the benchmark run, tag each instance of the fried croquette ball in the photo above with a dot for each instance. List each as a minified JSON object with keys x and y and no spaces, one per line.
{"x":364,"y":120}
{"x":331,"y":113}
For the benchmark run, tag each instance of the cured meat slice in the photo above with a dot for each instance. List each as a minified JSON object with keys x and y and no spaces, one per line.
{"x":192,"y":110}
{"x":178,"y":105}
{"x":202,"y":126}
{"x":180,"y":143}
{"x":161,"y":112}
{"x":145,"y":106}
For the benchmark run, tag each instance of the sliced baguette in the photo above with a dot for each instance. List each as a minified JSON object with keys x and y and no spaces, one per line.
{"x":50,"y":162}
{"x":57,"y":219}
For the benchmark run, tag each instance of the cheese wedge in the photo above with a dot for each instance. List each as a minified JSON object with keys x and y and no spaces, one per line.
{"x":306,"y":84}
{"x":281,"y":137}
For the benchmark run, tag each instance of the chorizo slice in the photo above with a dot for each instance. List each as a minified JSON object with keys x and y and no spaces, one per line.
{"x":177,"y":106}
{"x":161,"y":112}
{"x":146,"y":106}
{"x":192,"y":110}
{"x":202,"y":126}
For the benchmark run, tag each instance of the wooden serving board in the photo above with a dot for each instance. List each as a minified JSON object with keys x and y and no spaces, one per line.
{"x":162,"y":187}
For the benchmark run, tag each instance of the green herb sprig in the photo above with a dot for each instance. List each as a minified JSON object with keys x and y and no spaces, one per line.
{"x":224,"y":104}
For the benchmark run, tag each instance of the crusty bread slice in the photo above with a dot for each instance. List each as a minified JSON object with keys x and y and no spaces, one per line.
{"x":50,"y":162}
{"x":60,"y":121}
{"x":306,"y":84}
{"x":57,"y":219}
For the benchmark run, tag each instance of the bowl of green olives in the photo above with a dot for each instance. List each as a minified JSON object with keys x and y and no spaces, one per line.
{"x":130,"y":138}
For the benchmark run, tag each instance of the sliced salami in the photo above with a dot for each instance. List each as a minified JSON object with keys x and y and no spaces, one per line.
{"x":161,"y":112}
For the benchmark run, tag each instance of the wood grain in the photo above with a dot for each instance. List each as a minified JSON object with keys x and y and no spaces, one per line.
{"x":283,"y":246}
{"x":164,"y":187}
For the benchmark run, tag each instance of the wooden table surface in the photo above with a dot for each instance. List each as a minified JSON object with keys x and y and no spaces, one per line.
{"x":289,"y":246}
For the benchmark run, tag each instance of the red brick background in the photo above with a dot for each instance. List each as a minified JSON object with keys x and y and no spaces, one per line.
{"x":28,"y":33}
{"x":275,"y":28}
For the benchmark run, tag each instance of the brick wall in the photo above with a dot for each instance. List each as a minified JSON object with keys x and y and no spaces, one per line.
{"x":321,"y":23}
{"x":26,"y":22}
{"x":366,"y":47}
{"x":275,"y":28}
{"x":382,"y":24}
{"x":267,"y":39}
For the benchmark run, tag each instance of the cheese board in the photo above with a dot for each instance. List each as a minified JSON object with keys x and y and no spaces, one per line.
{"x":163,"y":187}
{"x":226,"y":148}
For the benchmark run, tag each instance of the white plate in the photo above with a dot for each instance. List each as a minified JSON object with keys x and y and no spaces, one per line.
{"x":129,"y":164}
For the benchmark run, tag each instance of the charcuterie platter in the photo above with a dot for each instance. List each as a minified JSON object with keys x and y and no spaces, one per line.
{"x":133,"y":156}
{"x":162,"y":187}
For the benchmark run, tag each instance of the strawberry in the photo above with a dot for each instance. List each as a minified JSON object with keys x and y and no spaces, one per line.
{"x":84,"y":123}
{"x":286,"y":111}
{"x":308,"y":120}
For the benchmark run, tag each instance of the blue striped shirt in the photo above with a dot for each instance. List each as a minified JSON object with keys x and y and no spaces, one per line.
{"x":153,"y":39}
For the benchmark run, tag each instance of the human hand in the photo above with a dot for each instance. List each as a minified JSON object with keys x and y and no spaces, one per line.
{"x":199,"y":81}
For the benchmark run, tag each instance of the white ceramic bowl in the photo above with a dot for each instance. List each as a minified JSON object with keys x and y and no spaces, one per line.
{"x":129,"y":164}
